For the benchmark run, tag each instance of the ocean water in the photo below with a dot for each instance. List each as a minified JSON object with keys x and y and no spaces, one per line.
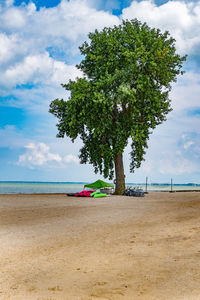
{"x":39,"y":187}
{"x":73,"y":187}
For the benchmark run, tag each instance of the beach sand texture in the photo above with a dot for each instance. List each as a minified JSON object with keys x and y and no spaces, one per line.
{"x":58,"y":247}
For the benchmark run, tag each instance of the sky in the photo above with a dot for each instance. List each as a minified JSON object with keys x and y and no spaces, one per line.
{"x":39,"y":42}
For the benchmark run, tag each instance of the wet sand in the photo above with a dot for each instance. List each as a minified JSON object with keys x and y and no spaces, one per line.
{"x":59,"y":247}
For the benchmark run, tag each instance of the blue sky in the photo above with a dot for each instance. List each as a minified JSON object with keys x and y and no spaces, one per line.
{"x":39,"y":50}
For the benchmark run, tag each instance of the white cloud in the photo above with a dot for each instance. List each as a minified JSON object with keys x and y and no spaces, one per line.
{"x":7,"y":48}
{"x":32,"y":69}
{"x":147,"y":166}
{"x":9,"y":3}
{"x":24,"y":45}
{"x":38,"y":155}
{"x":185,"y":93}
{"x":40,"y":69}
{"x":177,"y":167}
{"x":27,"y":36}
{"x":13,"y":18}
{"x":71,"y":158}
{"x":174,"y":152}
{"x":68,"y":21}
{"x":180,"y":18}
{"x":188,"y":144}
{"x":162,"y":165}
{"x":62,"y":72}
{"x":23,"y":50}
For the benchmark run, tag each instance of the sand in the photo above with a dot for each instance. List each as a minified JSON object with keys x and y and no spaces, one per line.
{"x":59,"y":247}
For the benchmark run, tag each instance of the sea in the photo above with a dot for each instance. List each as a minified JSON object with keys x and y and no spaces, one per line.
{"x":21,"y":187}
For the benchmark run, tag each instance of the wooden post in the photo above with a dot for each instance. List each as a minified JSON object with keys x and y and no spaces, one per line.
{"x":171,"y":186}
{"x":146,"y":186}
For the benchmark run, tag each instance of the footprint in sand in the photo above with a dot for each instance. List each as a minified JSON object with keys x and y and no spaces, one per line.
{"x":149,"y":244}
{"x":14,"y":287}
{"x":31,"y":289}
{"x":195,"y":229}
{"x":55,"y":289}
{"x":101,"y":283}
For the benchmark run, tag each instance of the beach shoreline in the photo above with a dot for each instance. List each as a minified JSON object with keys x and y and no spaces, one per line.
{"x":119,"y":247}
{"x":65,"y":194}
{"x":63,"y":188}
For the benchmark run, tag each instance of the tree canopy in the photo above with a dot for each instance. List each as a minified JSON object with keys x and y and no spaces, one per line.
{"x":123,"y":95}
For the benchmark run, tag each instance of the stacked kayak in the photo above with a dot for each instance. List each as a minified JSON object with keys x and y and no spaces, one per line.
{"x":91,"y":193}
{"x":98,"y":195}
{"x":84,"y":193}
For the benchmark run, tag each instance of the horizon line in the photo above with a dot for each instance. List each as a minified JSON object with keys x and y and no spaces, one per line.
{"x":85,"y":182}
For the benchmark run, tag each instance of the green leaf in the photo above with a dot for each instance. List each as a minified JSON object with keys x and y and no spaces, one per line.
{"x":124,"y":94}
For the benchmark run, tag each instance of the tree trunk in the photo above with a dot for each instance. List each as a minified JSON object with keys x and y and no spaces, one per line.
{"x":119,"y":173}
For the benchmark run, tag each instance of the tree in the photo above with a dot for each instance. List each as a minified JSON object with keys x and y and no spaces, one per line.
{"x":123,"y":95}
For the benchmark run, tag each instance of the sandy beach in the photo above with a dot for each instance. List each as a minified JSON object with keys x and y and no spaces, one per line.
{"x":58,"y":247}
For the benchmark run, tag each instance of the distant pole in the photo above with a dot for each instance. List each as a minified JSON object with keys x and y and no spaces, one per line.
{"x":146,"y":185}
{"x":171,"y":185}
